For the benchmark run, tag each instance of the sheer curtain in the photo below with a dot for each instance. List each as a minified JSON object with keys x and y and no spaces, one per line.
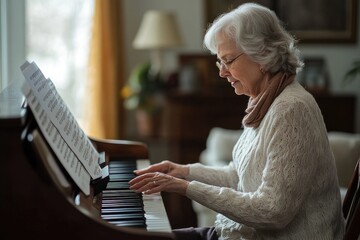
{"x":106,"y":72}
{"x":58,"y":34}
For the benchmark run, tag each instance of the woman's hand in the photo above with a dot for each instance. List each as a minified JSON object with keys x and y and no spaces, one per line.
{"x":165,"y":176}
{"x":154,"y":182}
{"x":170,"y":168}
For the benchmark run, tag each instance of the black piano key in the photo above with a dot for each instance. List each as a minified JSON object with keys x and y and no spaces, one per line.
{"x":122,"y":196}
{"x":130,"y":223}
{"x":128,"y":198}
{"x":120,"y":200}
{"x":121,"y":177}
{"x":125,"y":204}
{"x":119,"y":191}
{"x":118,"y":185}
{"x":120,"y":205}
{"x":106,"y":211}
{"x":127,"y":216}
{"x":122,"y":170}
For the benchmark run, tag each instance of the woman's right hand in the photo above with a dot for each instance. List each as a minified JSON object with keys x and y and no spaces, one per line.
{"x":167,"y":167}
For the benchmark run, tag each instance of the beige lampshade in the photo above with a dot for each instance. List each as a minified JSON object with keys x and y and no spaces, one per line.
{"x":158,"y":30}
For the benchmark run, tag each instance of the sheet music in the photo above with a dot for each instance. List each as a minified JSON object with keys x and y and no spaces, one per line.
{"x":64,"y":153}
{"x":67,"y":139}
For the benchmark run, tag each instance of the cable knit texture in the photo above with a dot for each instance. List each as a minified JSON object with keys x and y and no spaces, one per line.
{"x":282,"y":182}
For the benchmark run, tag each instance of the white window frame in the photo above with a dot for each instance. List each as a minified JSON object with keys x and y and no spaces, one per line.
{"x":12,"y":41}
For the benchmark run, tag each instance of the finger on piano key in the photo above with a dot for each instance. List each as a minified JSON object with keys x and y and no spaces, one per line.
{"x":122,"y":206}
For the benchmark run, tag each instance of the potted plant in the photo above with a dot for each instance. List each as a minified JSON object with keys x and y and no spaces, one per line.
{"x":144,"y":93}
{"x":353,"y":72}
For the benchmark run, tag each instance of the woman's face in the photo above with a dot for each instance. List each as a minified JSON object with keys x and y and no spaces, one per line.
{"x":242,"y":73}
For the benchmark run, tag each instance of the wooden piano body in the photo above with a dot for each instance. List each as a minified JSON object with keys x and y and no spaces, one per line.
{"x":38,"y":199}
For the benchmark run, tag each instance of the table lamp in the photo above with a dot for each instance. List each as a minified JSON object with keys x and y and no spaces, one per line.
{"x":158,"y":31}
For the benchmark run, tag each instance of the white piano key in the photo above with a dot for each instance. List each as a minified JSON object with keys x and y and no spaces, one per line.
{"x":155,"y":212}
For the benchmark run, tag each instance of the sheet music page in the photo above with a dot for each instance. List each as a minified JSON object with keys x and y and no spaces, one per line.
{"x":49,"y":103}
{"x":64,"y":153}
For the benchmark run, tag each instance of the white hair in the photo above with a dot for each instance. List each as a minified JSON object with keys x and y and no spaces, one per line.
{"x":258,"y":32}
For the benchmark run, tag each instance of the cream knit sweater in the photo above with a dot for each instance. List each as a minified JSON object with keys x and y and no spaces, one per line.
{"x":282,"y":182}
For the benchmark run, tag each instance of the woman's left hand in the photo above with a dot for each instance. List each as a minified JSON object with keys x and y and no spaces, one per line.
{"x":154,"y":182}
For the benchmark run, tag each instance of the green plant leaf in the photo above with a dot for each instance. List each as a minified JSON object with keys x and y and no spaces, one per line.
{"x":145,"y":87}
{"x":353,"y":72}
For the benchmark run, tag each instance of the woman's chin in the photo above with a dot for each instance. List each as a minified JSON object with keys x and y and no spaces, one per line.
{"x":239,"y":91}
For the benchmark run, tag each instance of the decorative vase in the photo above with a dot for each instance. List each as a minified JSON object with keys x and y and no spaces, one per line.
{"x":148,"y":124}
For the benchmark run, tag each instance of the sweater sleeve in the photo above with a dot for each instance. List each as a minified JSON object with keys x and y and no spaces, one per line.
{"x":219,"y":176}
{"x":290,"y":165}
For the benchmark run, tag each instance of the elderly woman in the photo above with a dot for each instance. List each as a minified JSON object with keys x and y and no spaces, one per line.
{"x":282,"y":182}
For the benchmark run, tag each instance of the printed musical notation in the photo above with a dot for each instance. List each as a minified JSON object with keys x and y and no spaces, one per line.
{"x":60,"y":128}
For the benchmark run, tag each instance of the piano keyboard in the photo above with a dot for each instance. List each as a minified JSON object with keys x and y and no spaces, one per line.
{"x":124,"y":207}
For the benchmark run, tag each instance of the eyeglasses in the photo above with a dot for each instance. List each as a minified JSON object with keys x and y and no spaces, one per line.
{"x":227,"y":65}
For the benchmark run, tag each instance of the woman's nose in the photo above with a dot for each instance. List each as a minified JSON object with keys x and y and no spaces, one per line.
{"x":223,"y":72}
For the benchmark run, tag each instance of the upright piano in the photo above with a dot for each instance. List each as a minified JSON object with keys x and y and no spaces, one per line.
{"x":40,"y":201}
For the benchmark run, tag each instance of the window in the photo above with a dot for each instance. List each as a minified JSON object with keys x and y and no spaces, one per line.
{"x":58,"y":34}
{"x":12,"y":42}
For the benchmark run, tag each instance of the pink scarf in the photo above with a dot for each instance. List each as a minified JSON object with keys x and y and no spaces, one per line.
{"x":258,"y":107}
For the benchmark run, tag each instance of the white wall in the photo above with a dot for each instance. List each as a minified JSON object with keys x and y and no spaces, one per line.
{"x":339,"y":58}
{"x":191,"y":17}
